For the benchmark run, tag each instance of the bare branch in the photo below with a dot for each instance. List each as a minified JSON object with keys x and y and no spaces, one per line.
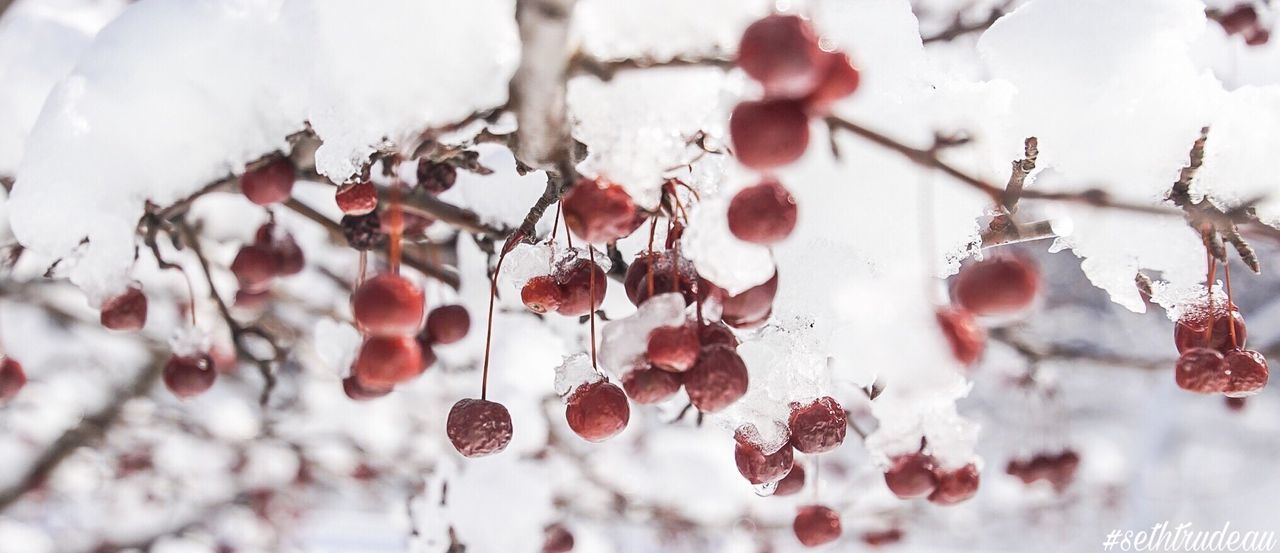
{"x":538,"y":88}
{"x":1021,"y":169}
{"x":959,"y":27}
{"x":606,"y":70}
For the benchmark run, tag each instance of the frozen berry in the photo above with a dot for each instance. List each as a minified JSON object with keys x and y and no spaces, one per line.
{"x":358,"y":392}
{"x":1192,"y":329}
{"x":759,"y":467}
{"x":127,"y":311}
{"x":388,"y":305}
{"x":876,"y":538}
{"x":254,"y":266}
{"x":188,"y":376}
{"x":963,"y":333}
{"x":769,"y":133}
{"x":673,"y":348}
{"x":478,"y":427}
{"x":597,"y":411}
{"x":997,"y":285}
{"x":269,"y":184}
{"x":717,"y":333}
{"x":717,"y":380}
{"x":600,"y":212}
{"x":363,"y":232}
{"x":647,"y":385}
{"x":384,"y":362}
{"x":578,"y":289}
{"x":665,"y":271}
{"x":1248,"y":371}
{"x":762,"y":214}
{"x":448,"y":324}
{"x":541,"y":294}
{"x":791,"y":483}
{"x":435,"y":177}
{"x":955,"y":486}
{"x":911,"y":476}
{"x":819,"y":426}
{"x":781,"y":51}
{"x":1202,"y":370}
{"x":752,"y":307}
{"x":558,"y":540}
{"x":840,"y":80}
{"x":816,"y":525}
{"x":12,"y":378}
{"x":357,"y":198}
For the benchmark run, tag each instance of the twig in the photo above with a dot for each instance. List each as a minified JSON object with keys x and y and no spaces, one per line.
{"x":1021,"y":169}
{"x":959,"y":27}
{"x":606,"y":70}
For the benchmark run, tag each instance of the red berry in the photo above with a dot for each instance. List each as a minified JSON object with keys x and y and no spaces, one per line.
{"x":358,"y":392}
{"x":717,"y":333}
{"x":882,"y":537}
{"x":448,"y":324}
{"x":559,"y":540}
{"x":128,"y":311}
{"x":436,"y":177}
{"x":670,"y":273}
{"x":781,"y":51}
{"x":966,"y":337}
{"x":673,"y":348}
{"x":269,"y":184}
{"x":357,"y":198}
{"x":752,"y":307}
{"x":1239,"y":20}
{"x":384,"y":362}
{"x":290,"y":258}
{"x":478,"y":427}
{"x":817,"y":525}
{"x":541,"y":294}
{"x":769,"y":133}
{"x":188,"y":376}
{"x":577,"y":288}
{"x":792,"y":482}
{"x":647,"y":386}
{"x":1062,"y":469}
{"x":597,"y":411}
{"x":1257,"y":36}
{"x":956,"y":486}
{"x":911,"y":476}
{"x":759,"y":467}
{"x":363,"y":232}
{"x":1248,"y":370}
{"x":840,"y":80}
{"x":819,"y":426}
{"x":1202,"y":370}
{"x":1235,"y":403}
{"x":12,"y":378}
{"x":717,"y":380}
{"x":254,"y":266}
{"x":763,"y":214}
{"x":997,"y":285}
{"x":388,"y":305}
{"x":600,"y":212}
{"x":1192,"y":329}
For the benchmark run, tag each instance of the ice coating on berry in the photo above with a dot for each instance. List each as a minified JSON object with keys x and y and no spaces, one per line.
{"x":448,"y":324}
{"x":125,"y":312}
{"x":783,"y":369}
{"x":670,"y":273}
{"x":763,"y":214}
{"x":581,"y":281}
{"x":524,"y":262}
{"x":575,"y":371}
{"x":646,"y":385}
{"x":752,"y":307}
{"x":388,"y":305}
{"x":817,"y":525}
{"x":624,"y":341}
{"x":1192,"y":329}
{"x":956,"y":486}
{"x":384,"y":361}
{"x":673,"y":348}
{"x":911,"y":475}
{"x":818,"y":426}
{"x":769,"y":134}
{"x":478,"y":427}
{"x":1202,"y":370}
{"x":717,"y":381}
{"x":188,"y":376}
{"x":758,"y":466}
{"x":1249,"y":373}
{"x":597,"y":411}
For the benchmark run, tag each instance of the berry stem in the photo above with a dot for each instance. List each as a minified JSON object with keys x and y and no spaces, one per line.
{"x":1208,"y":284}
{"x":396,"y":220}
{"x":591,"y":287}
{"x":364,"y":263}
{"x":555,"y":227}
{"x":653,"y":229}
{"x":1226,"y":272}
{"x":488,"y":331}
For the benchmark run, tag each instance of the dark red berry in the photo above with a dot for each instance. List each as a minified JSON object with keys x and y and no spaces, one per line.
{"x":448,"y":324}
{"x":357,"y":198}
{"x":752,"y":307}
{"x":646,"y":385}
{"x":1192,"y":329}
{"x":1202,"y":370}
{"x":792,"y":482}
{"x":127,"y":311}
{"x":965,"y":336}
{"x":388,"y":305}
{"x":358,"y":392}
{"x":816,"y":525}
{"x":781,"y":51}
{"x":559,"y":540}
{"x":363,"y":232}
{"x":478,"y":427}
{"x":769,"y":133}
{"x":717,"y":333}
{"x":997,"y":285}
{"x":578,"y":289}
{"x":1249,"y":372}
{"x":188,"y":376}
{"x":759,"y":467}
{"x":289,"y":256}
{"x":436,"y":177}
{"x":254,"y":266}
{"x":597,"y":411}
{"x":542,"y":294}
{"x":763,"y":214}
{"x":911,"y":476}
{"x":12,"y":378}
{"x":877,"y":538}
{"x":600,"y":212}
{"x":1257,"y":36}
{"x":669,"y":272}
{"x":1239,"y":20}
{"x":673,"y":348}
{"x":840,"y":80}
{"x":819,"y":426}
{"x":269,"y":184}
{"x":384,"y":362}
{"x":956,"y":486}
{"x":717,"y":380}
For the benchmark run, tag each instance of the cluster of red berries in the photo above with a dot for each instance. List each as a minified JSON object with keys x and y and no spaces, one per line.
{"x":917,"y":475}
{"x":1210,"y":339}
{"x":1058,"y":469}
{"x":999,"y":285}
{"x":272,"y":254}
{"x":1243,"y":20}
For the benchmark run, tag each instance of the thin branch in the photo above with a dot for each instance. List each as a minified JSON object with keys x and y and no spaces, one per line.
{"x":959,"y":27}
{"x":424,"y":204}
{"x":606,"y":70}
{"x":1021,"y":169}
